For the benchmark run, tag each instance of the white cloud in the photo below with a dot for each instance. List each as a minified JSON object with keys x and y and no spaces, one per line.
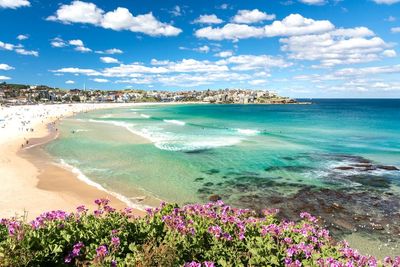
{"x":292,"y":25}
{"x":88,"y":72}
{"x":186,"y":80}
{"x":4,"y":78}
{"x":109,"y":60}
{"x":7,"y":46}
{"x":296,"y":24}
{"x":19,"y":49}
{"x":5,"y":67}
{"x":24,"y":52}
{"x":82,"y":49}
{"x":224,"y":54}
{"x":203,"y":49}
{"x":364,"y":79}
{"x":224,"y":6}
{"x":58,"y":42}
{"x":343,"y":46}
{"x":187,"y":72}
{"x":78,"y":12}
{"x":70,"y":82}
{"x":258,"y":82}
{"x":313,"y":2}
{"x":252,"y":62}
{"x":119,"y":19}
{"x":387,"y":2}
{"x":391,"y":19}
{"x":176,"y":11}
{"x":79,"y":46}
{"x":230,"y":31}
{"x":389,"y":53}
{"x":367,"y":71}
{"x":76,"y":42}
{"x":395,"y":30}
{"x":111,"y":51}
{"x":252,"y":16}
{"x":100,"y":80}
{"x":14,"y":3}
{"x":208,"y":19}
{"x":22,"y":37}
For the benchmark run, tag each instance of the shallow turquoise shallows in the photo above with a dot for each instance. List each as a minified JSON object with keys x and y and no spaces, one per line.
{"x":288,"y":156}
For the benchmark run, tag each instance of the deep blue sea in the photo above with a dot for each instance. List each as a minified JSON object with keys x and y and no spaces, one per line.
{"x":336,"y":158}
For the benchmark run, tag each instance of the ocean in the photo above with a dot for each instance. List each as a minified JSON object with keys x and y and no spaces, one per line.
{"x":336,"y":158}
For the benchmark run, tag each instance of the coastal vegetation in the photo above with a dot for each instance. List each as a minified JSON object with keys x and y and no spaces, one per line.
{"x":212,"y":234}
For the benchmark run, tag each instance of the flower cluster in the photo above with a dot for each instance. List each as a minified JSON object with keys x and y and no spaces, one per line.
{"x":74,"y":253}
{"x":199,"y":264}
{"x":57,"y":215}
{"x":196,"y":235}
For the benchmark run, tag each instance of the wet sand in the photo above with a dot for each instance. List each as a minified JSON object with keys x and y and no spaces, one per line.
{"x":56,"y":179}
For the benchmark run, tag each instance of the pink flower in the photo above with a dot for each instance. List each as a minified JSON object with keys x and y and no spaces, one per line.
{"x":215,"y":230}
{"x":102,"y":201}
{"x":101,"y":251}
{"x":81,"y":209}
{"x":192,"y":264}
{"x":115,"y":241}
{"x":269,"y":212}
{"x":306,"y":215}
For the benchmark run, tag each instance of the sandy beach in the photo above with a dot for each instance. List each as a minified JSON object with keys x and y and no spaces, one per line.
{"x":30,"y":182}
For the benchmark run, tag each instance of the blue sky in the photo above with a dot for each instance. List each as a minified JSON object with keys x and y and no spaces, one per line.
{"x":299,"y":48}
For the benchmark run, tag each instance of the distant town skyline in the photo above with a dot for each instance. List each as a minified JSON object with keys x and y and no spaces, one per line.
{"x":298,"y":48}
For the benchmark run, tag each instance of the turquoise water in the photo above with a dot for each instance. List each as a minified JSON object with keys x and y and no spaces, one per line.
{"x":333,"y":156}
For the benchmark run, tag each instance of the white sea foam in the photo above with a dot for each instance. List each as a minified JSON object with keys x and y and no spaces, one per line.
{"x":181,"y":123}
{"x":107,"y":116}
{"x":145,"y":116}
{"x":176,"y":142}
{"x":81,"y":130}
{"x":248,"y":131}
{"x":127,"y":126}
{"x":197,"y":144}
{"x":81,"y":176}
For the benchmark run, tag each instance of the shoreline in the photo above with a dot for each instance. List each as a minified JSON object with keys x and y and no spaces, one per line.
{"x":32,"y":181}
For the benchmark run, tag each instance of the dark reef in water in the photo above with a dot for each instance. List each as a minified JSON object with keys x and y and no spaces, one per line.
{"x":351,"y":197}
{"x":211,"y":171}
{"x":289,"y":168}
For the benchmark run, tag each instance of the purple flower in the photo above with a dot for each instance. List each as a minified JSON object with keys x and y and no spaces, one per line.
{"x":215,"y":230}
{"x":74,"y":253}
{"x":109,"y":209}
{"x":115,"y":241}
{"x":209,"y":264}
{"x":241,"y":236}
{"x":307,"y":216}
{"x":68,"y":259}
{"x":288,"y":240}
{"x":269,"y":212}
{"x":77,"y":249}
{"x":102,"y":201}
{"x":114,"y":232}
{"x":101,"y":251}
{"x":97,"y":213}
{"x":192,"y":264}
{"x":81,"y":209}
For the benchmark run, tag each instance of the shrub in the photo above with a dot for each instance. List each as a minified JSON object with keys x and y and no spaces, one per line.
{"x":208,"y":235}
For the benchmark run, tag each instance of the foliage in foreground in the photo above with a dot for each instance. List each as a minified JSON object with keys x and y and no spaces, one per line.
{"x":208,"y":235}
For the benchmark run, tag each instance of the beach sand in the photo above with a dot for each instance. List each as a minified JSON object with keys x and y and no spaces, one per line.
{"x":31,"y":183}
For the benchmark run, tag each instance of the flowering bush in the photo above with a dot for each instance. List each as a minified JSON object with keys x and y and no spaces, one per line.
{"x":207,"y":235}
